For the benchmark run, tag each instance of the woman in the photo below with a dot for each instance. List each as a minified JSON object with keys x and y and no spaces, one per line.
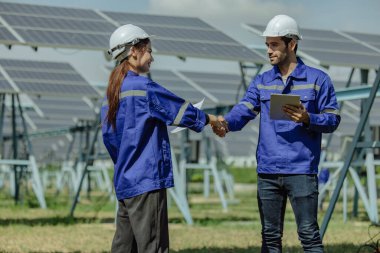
{"x":134,"y":116}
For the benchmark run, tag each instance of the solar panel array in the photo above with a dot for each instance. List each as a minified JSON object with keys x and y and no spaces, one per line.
{"x":328,"y":48}
{"x":56,"y":92}
{"x":39,"y":25}
{"x":47,"y":78}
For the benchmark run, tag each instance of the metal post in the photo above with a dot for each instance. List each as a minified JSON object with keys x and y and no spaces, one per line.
{"x":355,"y":204}
{"x":71,"y":145}
{"x":37,"y":185}
{"x":87,"y":147}
{"x":14,"y":145}
{"x":85,"y":170}
{"x":371,"y":173}
{"x":25,"y":129}
{"x":2,"y":116}
{"x":350,"y":154}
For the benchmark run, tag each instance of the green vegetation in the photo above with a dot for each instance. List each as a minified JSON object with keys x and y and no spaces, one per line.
{"x":241,"y":175}
{"x":26,"y":228}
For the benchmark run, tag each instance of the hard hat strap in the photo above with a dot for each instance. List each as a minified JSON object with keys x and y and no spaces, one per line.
{"x":121,"y":46}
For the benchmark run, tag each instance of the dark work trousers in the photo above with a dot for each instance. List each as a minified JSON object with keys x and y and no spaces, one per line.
{"x":142,"y":224}
{"x":272,"y":193}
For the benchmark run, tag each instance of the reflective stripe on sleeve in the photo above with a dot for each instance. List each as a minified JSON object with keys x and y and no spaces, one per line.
{"x":180,"y":114}
{"x":250,"y":107}
{"x":128,"y":93}
{"x":332,"y":111}
{"x":132,"y":93}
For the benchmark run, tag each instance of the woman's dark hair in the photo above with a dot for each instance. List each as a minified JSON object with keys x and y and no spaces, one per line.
{"x":114,"y":83}
{"x":287,"y":40}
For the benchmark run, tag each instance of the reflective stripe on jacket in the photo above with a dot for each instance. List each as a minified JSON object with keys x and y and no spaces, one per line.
{"x":286,"y":147}
{"x":139,"y":146}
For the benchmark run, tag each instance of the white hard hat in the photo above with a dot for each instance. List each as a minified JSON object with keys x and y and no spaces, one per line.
{"x":123,"y":38}
{"x":282,"y":25}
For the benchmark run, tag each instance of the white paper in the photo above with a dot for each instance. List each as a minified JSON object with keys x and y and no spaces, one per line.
{"x":197,"y":105}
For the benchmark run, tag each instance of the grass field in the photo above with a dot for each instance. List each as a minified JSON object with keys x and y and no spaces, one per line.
{"x":30,"y":229}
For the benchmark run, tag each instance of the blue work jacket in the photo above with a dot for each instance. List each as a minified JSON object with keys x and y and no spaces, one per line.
{"x":287,"y":147}
{"x":139,"y":146}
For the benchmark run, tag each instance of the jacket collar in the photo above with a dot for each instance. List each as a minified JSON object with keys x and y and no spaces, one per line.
{"x":298,"y":73}
{"x":131,"y":73}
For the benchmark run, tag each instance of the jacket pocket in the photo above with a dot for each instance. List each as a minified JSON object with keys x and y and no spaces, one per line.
{"x":308,"y":99}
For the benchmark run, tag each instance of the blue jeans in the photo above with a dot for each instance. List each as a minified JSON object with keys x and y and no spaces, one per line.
{"x":272,"y":193}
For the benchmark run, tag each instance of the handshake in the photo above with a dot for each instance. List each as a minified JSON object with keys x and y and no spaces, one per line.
{"x":219,"y":125}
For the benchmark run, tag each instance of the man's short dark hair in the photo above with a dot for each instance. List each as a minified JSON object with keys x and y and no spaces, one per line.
{"x":287,"y":40}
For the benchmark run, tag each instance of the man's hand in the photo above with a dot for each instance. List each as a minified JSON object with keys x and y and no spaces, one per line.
{"x":297,"y":113}
{"x":219,"y":125}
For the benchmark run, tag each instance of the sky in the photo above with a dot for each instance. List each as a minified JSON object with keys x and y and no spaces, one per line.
{"x":225,"y":15}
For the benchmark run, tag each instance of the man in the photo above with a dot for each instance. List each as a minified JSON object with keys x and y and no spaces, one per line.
{"x":288,"y":151}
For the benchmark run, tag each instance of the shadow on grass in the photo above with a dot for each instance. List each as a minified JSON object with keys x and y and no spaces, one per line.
{"x":205,"y":221}
{"x":337,"y":248}
{"x":53,"y":221}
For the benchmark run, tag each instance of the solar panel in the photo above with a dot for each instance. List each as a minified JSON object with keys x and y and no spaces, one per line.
{"x":188,"y":37}
{"x":371,"y":39}
{"x":57,"y":26}
{"x":67,"y":113}
{"x":6,"y":36}
{"x":47,"y":11}
{"x":157,"y":20}
{"x":39,"y":25}
{"x":5,"y":86}
{"x":22,"y":64}
{"x":179,"y":87}
{"x":64,"y":39}
{"x":331,"y":48}
{"x":54,"y":24}
{"x":47,"y":78}
{"x":345,"y":59}
{"x":59,"y":112}
{"x":178,"y":34}
{"x":53,"y":102}
{"x":206,"y":50}
{"x":222,"y":86}
{"x":335,"y":46}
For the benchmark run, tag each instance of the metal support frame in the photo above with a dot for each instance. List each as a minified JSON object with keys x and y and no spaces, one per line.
{"x":2,"y":111}
{"x":210,"y":165}
{"x":86,"y":165}
{"x":351,"y":151}
{"x":341,"y":104}
{"x":243,"y":83}
{"x":20,"y":166}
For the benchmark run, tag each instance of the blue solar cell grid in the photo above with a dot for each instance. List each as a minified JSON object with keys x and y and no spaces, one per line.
{"x":41,"y":25}
{"x":158,"y":20}
{"x":36,"y":77}
{"x":5,"y":35}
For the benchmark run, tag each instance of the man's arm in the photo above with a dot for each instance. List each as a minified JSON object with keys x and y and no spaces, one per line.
{"x":247,"y":109}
